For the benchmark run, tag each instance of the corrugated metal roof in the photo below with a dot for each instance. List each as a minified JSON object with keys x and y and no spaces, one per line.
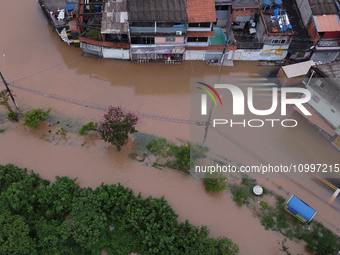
{"x":332,"y":71}
{"x":327,"y":23}
{"x":201,"y":11}
{"x":157,"y":10}
{"x":114,"y":18}
{"x":297,"y":69}
{"x":320,"y":7}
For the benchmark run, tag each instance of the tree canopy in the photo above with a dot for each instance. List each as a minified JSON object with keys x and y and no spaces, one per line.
{"x":38,"y":217}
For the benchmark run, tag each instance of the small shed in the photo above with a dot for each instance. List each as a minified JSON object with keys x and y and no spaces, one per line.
{"x":300,"y":209}
{"x":293,"y":74}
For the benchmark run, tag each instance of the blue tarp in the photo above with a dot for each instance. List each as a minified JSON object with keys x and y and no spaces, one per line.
{"x":301,"y":208}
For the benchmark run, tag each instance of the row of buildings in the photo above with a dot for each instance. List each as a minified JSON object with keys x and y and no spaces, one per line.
{"x":176,"y":30}
{"x":323,"y":82}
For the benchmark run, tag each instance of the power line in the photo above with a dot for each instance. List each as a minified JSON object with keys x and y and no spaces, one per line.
{"x":104,"y":108}
{"x":261,"y":160}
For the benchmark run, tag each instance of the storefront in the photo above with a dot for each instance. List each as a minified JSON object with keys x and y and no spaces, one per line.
{"x":158,"y":54}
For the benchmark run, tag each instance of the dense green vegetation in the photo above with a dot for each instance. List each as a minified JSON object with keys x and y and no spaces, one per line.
{"x":33,"y":219}
{"x":33,"y":118}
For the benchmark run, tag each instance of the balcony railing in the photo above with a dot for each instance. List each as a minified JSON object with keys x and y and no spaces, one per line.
{"x":158,"y":30}
{"x":329,"y":43}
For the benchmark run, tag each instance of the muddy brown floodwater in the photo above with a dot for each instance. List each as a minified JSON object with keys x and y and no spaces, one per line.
{"x":35,"y":58}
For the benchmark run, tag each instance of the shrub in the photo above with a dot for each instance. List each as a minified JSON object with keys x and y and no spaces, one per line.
{"x":13,"y":116}
{"x":116,"y":126}
{"x":215,"y":184}
{"x":264,"y":205}
{"x":34,"y":117}
{"x":2,"y":130}
{"x":88,"y":127}
{"x":268,"y":222}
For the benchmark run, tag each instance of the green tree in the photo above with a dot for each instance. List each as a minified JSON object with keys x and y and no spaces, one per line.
{"x":33,"y":118}
{"x":14,"y":235}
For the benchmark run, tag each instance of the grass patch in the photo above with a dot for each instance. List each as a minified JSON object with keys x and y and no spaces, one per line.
{"x":167,"y":153}
{"x":215,"y":183}
{"x":85,"y":129}
{"x":264,"y":205}
{"x":2,"y":130}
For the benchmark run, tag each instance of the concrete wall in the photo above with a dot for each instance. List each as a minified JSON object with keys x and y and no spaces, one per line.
{"x":195,"y":55}
{"x":327,"y":56}
{"x":116,"y":53}
{"x":305,"y":11}
{"x":244,"y":54}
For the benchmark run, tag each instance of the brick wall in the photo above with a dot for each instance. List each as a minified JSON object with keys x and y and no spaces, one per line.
{"x":314,"y":35}
{"x":243,"y":12}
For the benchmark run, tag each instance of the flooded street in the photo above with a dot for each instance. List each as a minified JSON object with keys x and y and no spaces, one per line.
{"x":36,"y":59}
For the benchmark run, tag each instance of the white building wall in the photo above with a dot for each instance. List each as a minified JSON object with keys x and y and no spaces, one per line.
{"x":264,"y":54}
{"x":116,"y":53}
{"x":325,"y":109}
{"x":195,"y":55}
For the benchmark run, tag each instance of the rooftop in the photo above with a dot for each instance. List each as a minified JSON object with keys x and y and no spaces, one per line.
{"x":114,"y":18}
{"x":201,"y":11}
{"x":246,"y":3}
{"x":327,"y":23}
{"x":219,"y":38}
{"x":332,"y":71}
{"x":157,"y":10}
{"x":277,"y":22}
{"x":320,"y":7}
{"x":297,"y":69}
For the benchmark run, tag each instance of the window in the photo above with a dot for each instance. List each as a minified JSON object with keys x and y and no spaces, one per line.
{"x":221,"y":7}
{"x":316,"y":98}
{"x":207,"y":24}
{"x":142,"y":40}
{"x":197,"y":39}
{"x":170,"y":39}
{"x":278,"y":41}
{"x":320,"y":84}
{"x":252,"y":11}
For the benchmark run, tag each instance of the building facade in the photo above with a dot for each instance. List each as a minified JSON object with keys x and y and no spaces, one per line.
{"x":157,"y":30}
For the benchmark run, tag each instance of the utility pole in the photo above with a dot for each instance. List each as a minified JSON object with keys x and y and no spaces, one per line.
{"x":3,"y":63}
{"x":207,"y":124}
{"x":9,"y":91}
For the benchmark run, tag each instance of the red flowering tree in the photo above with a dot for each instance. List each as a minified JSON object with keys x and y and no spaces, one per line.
{"x":116,"y":125}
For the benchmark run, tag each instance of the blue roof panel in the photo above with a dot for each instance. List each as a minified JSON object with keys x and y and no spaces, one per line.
{"x":301,"y":208}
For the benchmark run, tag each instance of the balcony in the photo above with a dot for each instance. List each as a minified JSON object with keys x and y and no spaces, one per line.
{"x":157,"y":30}
{"x":328,"y":43}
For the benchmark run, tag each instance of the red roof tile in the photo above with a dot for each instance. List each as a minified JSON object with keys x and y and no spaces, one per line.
{"x":202,"y":34}
{"x":327,"y":23}
{"x":201,"y":11}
